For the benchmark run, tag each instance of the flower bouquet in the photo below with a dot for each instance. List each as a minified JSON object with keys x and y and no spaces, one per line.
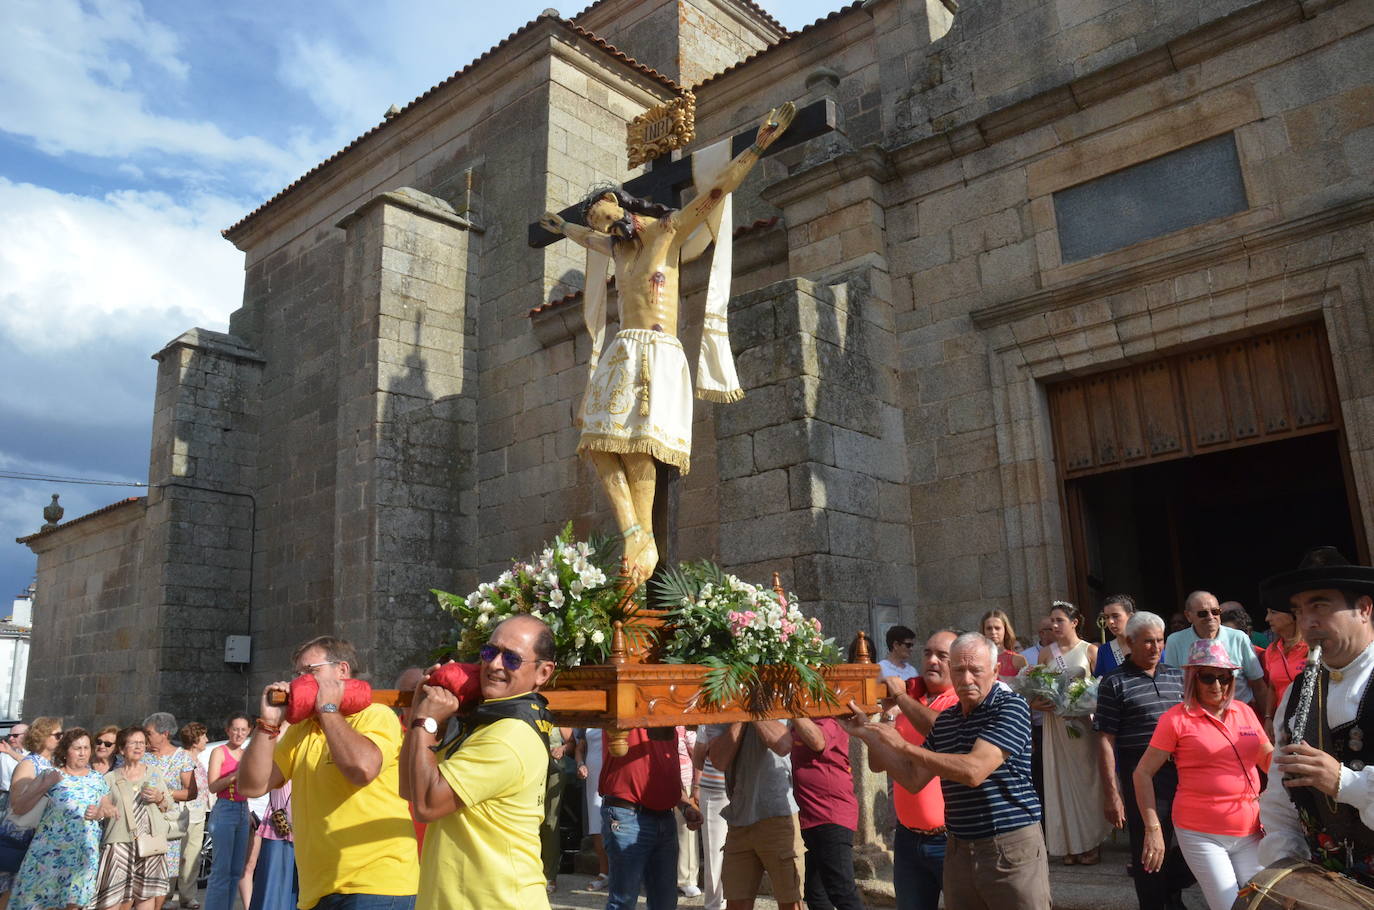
{"x":759,"y":647}
{"x":573,"y":586}
{"x":1073,"y":694}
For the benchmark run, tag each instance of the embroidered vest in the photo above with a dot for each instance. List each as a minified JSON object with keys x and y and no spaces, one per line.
{"x":1336,"y":837}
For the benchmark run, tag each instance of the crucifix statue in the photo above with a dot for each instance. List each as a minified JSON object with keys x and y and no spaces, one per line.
{"x":637,"y":411}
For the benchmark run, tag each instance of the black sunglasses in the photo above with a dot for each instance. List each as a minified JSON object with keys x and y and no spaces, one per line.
{"x":107,"y":743}
{"x":509,"y":659}
{"x":1208,"y":679}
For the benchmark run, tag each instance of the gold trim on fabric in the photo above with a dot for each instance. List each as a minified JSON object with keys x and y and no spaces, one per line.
{"x":721,"y":396}
{"x":619,"y":445}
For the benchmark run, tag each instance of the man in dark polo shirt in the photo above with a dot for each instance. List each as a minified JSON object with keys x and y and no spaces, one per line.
{"x":980,"y":750}
{"x":1130,"y":700}
{"x":639,"y":792}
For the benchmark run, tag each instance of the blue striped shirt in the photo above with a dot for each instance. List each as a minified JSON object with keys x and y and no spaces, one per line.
{"x":1130,"y":703}
{"x":1005,"y":801}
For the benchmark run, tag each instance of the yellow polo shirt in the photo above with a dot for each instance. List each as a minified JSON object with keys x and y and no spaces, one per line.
{"x":486,"y":855}
{"x":349,"y":839}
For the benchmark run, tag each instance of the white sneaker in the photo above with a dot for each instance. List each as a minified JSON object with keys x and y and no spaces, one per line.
{"x":690,"y":891}
{"x":598,"y":884}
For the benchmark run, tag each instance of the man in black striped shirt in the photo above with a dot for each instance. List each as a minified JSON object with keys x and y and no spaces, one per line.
{"x":980,"y":750}
{"x":1130,"y":701}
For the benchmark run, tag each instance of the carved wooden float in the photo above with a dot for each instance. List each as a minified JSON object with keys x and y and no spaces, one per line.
{"x":634,"y":689}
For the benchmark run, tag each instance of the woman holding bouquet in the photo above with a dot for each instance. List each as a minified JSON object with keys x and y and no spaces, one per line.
{"x":1074,"y":824}
{"x":1216,"y":742}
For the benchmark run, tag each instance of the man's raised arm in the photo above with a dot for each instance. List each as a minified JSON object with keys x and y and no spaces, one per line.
{"x":694,"y":213}
{"x":257,"y":772}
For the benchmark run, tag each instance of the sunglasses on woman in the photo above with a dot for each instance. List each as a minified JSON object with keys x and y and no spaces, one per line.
{"x":1215,"y":679}
{"x":107,"y":743}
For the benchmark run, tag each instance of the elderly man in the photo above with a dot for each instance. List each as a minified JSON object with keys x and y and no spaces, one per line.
{"x":1130,"y":700}
{"x":980,"y":750}
{"x":483,"y":791}
{"x":355,"y":844}
{"x":1204,"y":613}
{"x":1319,"y":804}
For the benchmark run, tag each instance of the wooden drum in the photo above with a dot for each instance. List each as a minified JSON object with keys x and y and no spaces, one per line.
{"x":1293,"y":884}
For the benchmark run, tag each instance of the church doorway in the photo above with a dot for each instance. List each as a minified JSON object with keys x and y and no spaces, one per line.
{"x":1211,"y":469}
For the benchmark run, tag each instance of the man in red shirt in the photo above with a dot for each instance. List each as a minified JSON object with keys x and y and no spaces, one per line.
{"x":918,"y":847}
{"x":823,"y":785}
{"x":639,"y":792}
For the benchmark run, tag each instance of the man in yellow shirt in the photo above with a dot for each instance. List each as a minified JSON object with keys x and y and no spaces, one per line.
{"x":355,"y":843}
{"x":483,"y":792}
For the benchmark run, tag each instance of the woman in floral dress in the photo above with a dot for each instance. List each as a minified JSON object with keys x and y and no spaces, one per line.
{"x":177,"y":768}
{"x":60,"y":868}
{"x":39,"y":742}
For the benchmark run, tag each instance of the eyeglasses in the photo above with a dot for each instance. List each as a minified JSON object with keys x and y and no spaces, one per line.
{"x":1215,"y":679}
{"x":509,"y":659}
{"x":107,"y":743}
{"x":1207,"y":612}
{"x":311,"y":668}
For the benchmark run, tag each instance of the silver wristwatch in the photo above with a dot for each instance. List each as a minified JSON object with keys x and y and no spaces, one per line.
{"x":330,"y":708}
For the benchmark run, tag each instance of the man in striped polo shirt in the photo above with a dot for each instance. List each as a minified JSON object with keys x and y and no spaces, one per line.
{"x":980,"y":750}
{"x":1130,"y":701}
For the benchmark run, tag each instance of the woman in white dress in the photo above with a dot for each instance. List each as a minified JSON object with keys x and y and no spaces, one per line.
{"x":1074,"y":823}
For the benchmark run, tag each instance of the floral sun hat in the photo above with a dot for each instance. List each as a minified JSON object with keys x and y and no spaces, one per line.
{"x":1208,"y":652}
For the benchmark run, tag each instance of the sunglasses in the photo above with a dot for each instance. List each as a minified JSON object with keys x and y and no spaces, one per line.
{"x":509,"y":659}
{"x":1207,"y":612}
{"x":1215,"y":679}
{"x":107,"y":743}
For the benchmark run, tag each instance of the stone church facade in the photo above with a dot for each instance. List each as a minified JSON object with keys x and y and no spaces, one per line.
{"x":1071,"y":281}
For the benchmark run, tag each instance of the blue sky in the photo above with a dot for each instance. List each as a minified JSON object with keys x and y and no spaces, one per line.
{"x":130,"y":134}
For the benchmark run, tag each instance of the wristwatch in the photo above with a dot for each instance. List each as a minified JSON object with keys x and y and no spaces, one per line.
{"x":428,"y":724}
{"x":329,"y":708}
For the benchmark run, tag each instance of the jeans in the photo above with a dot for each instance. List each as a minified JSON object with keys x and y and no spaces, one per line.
{"x":830,"y":881}
{"x":366,"y":902}
{"x":641,"y":847}
{"x":1221,"y":862}
{"x":918,"y":869}
{"x":229,"y":831}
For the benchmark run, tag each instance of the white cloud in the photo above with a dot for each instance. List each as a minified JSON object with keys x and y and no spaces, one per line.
{"x":92,"y":80}
{"x":77,"y":268}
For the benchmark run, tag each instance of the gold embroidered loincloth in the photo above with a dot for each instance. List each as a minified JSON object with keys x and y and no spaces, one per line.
{"x":639,"y":400}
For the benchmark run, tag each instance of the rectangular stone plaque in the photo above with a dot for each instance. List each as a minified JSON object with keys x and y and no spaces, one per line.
{"x":1156,"y":197}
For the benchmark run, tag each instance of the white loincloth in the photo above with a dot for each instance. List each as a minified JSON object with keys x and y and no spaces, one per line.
{"x":639,"y":400}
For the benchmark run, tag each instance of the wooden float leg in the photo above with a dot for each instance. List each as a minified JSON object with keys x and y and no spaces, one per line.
{"x":618,"y":742}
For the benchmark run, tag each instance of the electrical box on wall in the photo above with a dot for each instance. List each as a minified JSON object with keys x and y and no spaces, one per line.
{"x":237,"y":649}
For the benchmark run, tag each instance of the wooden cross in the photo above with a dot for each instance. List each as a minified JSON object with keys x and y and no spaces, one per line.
{"x":666,"y":179}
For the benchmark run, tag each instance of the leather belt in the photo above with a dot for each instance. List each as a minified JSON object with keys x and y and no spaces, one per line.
{"x":616,"y":802}
{"x":927,"y":832}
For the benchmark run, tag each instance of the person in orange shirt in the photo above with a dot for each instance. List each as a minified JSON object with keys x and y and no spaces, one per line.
{"x":1217,"y":743}
{"x":918,"y":846}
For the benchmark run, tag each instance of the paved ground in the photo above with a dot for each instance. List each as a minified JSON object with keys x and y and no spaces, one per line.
{"x":1101,"y":887}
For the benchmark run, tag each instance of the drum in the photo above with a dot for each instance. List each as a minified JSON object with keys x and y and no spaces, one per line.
{"x":1292,"y":884}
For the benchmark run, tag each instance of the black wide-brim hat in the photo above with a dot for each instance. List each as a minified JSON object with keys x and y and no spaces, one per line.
{"x":1321,"y":567}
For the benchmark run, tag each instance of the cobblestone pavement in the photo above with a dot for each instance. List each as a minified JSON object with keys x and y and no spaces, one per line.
{"x":1102,"y":887}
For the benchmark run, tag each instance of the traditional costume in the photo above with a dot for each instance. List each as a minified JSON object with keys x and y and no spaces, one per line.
{"x":1331,"y":709}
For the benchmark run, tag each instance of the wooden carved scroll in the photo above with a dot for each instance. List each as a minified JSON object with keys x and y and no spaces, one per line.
{"x":661,"y":129}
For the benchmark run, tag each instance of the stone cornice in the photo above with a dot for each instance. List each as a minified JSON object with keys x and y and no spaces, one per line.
{"x":1117,"y":280}
{"x":212,"y":342}
{"x":412,"y":200}
{"x":870,"y":161}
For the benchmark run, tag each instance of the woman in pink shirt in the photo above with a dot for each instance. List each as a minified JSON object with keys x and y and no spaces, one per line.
{"x":1216,"y":744}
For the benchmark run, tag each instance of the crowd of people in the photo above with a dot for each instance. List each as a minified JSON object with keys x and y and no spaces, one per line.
{"x":117,"y":819}
{"x":1206,"y":746}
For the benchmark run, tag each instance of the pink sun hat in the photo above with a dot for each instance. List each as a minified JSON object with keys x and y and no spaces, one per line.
{"x":1208,"y":652}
